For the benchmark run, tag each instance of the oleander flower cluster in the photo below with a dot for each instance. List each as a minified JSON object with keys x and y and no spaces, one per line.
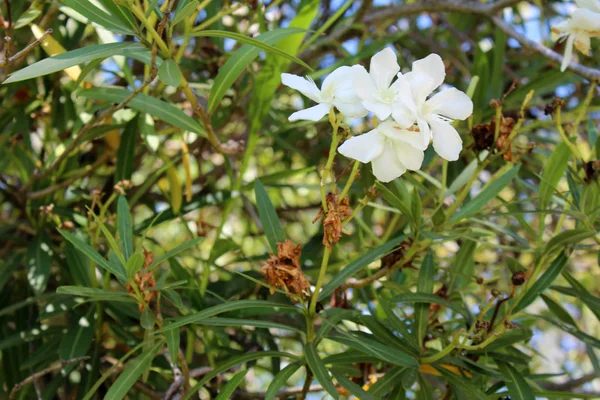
{"x":409,"y":116}
{"x":577,"y":30}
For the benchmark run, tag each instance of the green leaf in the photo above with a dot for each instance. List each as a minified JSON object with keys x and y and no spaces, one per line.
{"x":416,"y":208}
{"x":63,"y":61}
{"x":430,"y":298}
{"x":112,"y":243}
{"x":253,"y":42}
{"x":387,"y":381}
{"x":361,"y":262}
{"x":383,"y":352}
{"x":132,"y":372}
{"x":319,"y":370}
{"x":126,"y":151}
{"x":232,"y":362}
{"x":98,"y":16}
{"x":542,"y":283}
{"x":27,"y":17}
{"x":396,"y":202}
{"x":39,"y":260}
{"x":147,"y":104}
{"x":221,"y":308}
{"x":487,"y":194}
{"x":169,"y":73}
{"x":555,"y":168}
{"x":175,"y":251}
{"x":424,"y":285}
{"x":95,"y":294}
{"x":185,"y":11}
{"x":239,"y":61}
{"x":463,"y":384}
{"x":280,"y":379}
{"x":352,"y":387}
{"x":558,"y":310}
{"x":583,"y":294}
{"x":134,"y":264}
{"x":568,"y":238}
{"x":77,"y":340}
{"x":147,"y":319}
{"x":268,"y":217}
{"x":462,"y":264}
{"x":125,"y":227}
{"x":247,"y":322}
{"x":172,"y":336}
{"x":230,"y":387}
{"x":516,"y":384}
{"x":118,"y":271}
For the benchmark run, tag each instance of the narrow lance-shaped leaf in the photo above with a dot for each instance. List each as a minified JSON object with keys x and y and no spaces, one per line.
{"x":543,"y":282}
{"x":424,"y":285}
{"x":169,"y":73}
{"x":280,"y":379}
{"x":91,"y":253}
{"x":487,"y":194}
{"x":147,"y":104}
{"x":239,"y":61}
{"x":360,"y":263}
{"x":230,"y":387}
{"x":268,"y":217}
{"x":251,"y":41}
{"x":517,"y":386}
{"x":71,"y":58}
{"x":125,"y":226}
{"x":132,"y":372}
{"x":319,"y":370}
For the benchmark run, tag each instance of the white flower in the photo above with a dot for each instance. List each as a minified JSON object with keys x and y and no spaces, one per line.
{"x":337,"y":91}
{"x":434,"y":116}
{"x":374,"y":87}
{"x":583,"y":25}
{"x":391,"y":150}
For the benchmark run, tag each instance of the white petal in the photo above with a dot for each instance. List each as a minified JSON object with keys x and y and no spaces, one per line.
{"x":350,"y":106}
{"x":587,"y":20}
{"x":446,"y":140}
{"x":425,"y":131}
{"x":400,"y":135}
{"x":421,"y":86}
{"x":568,"y":53}
{"x":592,"y":5}
{"x":402,"y":115}
{"x":363,"y":148}
{"x":339,"y":79}
{"x":384,"y":66}
{"x":381,"y":110}
{"x":363,"y":85}
{"x":305,"y":86}
{"x":387,"y":166}
{"x":451,"y":103}
{"x":311,"y":114}
{"x":409,"y":156}
{"x":433,"y":67}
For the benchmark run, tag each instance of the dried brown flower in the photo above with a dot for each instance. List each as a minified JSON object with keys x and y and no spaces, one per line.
{"x":557,"y":102}
{"x":483,"y":134}
{"x":144,"y":282}
{"x":392,"y":258}
{"x":148,"y":258}
{"x":284,"y":269}
{"x":332,"y":219}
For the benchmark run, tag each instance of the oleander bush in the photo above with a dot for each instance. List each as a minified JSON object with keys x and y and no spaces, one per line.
{"x":299,"y":200}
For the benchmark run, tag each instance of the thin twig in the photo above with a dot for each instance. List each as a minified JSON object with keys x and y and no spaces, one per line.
{"x":43,"y":372}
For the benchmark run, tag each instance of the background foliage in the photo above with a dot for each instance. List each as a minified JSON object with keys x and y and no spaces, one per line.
{"x":148,"y":170}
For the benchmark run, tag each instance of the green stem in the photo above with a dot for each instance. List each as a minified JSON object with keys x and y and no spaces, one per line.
{"x":161,"y":44}
{"x":315,"y":296}
{"x":353,"y":174}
